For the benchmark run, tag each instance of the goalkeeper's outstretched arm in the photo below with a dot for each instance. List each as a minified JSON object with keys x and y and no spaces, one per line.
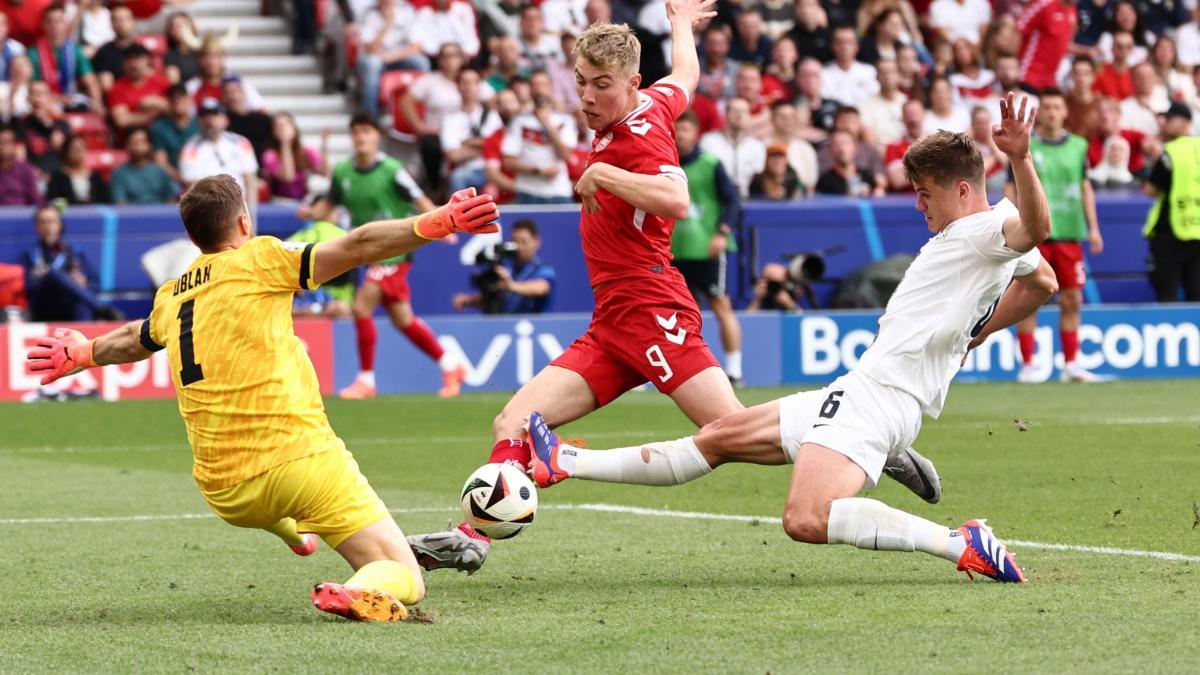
{"x":67,"y":351}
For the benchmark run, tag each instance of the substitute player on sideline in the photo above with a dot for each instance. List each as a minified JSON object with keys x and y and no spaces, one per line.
{"x":373,"y":186}
{"x":956,"y":292}
{"x":1060,"y":158}
{"x":264,"y":453}
{"x":646,"y":325}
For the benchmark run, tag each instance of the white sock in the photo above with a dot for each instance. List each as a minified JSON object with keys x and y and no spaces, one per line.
{"x":669,"y":463}
{"x":873,"y":525}
{"x":367,"y":377}
{"x":733,"y":365}
{"x":446,"y":363}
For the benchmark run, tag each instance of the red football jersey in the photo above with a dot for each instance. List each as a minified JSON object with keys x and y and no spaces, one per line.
{"x":1046,"y":27}
{"x":620,"y":241}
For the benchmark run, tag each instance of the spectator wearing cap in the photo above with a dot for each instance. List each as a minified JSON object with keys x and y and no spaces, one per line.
{"x":718,"y":72}
{"x":170,"y":132}
{"x":209,"y":82}
{"x":912,"y":115}
{"x":845,"y":177}
{"x":1172,"y":225}
{"x":109,"y":59}
{"x":750,"y":45}
{"x":43,"y":130}
{"x":881,"y":112}
{"x":785,"y":130}
{"x":139,"y":97}
{"x":59,"y":61}
{"x":75,"y":182}
{"x":58,"y":280}
{"x":1047,"y":28}
{"x":811,"y":32}
{"x":18,"y":184}
{"x":390,"y":42}
{"x":288,"y":163}
{"x":777,"y":181}
{"x":847,"y":80}
{"x":447,"y":21}
{"x":954,"y":19}
{"x":253,"y":125}
{"x":1149,"y":98}
{"x":9,"y":49}
{"x":215,"y":150}
{"x":742,"y":154}
{"x":141,"y":180}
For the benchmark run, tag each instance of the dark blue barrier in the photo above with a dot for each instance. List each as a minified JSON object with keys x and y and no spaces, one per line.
{"x":115,"y":238}
{"x":802,"y":349}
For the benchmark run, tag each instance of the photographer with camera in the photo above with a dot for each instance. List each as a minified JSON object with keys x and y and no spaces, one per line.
{"x":512,"y":279}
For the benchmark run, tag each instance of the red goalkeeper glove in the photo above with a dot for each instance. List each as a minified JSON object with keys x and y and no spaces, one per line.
{"x":466,"y":212}
{"x":65,"y":353}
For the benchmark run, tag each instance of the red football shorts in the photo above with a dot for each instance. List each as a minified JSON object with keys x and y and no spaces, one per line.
{"x":632,"y":340}
{"x":393,"y":280}
{"x":1066,"y":259}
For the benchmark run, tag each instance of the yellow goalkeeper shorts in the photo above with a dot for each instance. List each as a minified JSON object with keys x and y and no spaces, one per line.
{"x":324,"y":493}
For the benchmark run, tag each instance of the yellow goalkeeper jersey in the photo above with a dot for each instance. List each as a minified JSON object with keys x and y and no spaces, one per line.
{"x":247,"y":391}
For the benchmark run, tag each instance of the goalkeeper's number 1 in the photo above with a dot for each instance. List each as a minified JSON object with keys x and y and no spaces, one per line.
{"x":191,"y":371}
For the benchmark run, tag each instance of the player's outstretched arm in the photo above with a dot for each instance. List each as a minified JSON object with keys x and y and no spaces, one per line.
{"x":659,"y":195}
{"x":67,"y":351}
{"x":1023,"y":297}
{"x":465,"y":212}
{"x":1011,"y":137}
{"x":684,"y":15}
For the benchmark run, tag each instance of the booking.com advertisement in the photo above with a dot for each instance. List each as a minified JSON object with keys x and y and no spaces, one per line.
{"x":808,"y":350}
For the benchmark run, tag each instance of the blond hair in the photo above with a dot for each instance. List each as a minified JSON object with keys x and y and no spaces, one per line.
{"x":609,"y":45}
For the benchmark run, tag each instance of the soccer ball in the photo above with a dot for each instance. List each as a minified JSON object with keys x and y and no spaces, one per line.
{"x":499,"y":500}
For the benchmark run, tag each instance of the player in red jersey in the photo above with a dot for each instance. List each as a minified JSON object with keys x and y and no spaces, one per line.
{"x":646,"y":324}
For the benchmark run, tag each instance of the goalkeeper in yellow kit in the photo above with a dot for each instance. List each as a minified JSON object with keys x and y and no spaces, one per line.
{"x":265,"y":455}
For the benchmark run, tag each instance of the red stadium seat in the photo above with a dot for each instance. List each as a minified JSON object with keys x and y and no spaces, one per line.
{"x":392,"y":88}
{"x":104,"y":161}
{"x":91,"y":126}
{"x":351,"y":39}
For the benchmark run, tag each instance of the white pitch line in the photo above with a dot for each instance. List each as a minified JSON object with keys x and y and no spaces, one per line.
{"x":618,"y":508}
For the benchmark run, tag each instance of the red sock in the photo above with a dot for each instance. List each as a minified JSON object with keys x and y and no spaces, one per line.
{"x":473,"y":533}
{"x":1028,"y":345}
{"x":1070,"y":345}
{"x":515,"y":449}
{"x":365,"y":330}
{"x":421,"y":335}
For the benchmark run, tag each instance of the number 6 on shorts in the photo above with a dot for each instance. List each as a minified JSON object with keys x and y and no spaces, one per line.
{"x":657,"y":359}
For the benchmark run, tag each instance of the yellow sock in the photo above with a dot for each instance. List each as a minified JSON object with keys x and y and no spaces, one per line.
{"x":286,"y":530}
{"x":388,"y":576}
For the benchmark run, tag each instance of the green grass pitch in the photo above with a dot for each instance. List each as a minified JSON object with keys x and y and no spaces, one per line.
{"x":1113,"y":465}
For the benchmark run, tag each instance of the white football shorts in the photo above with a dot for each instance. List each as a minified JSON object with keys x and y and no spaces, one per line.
{"x":855,"y":416}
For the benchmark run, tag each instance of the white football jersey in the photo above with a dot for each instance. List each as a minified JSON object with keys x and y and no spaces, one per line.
{"x":946,"y":296}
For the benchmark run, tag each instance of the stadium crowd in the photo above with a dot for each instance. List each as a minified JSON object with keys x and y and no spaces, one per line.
{"x":836,"y":90}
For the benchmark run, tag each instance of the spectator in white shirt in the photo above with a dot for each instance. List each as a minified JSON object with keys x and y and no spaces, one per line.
{"x":742,"y":155}
{"x":388,"y":43}
{"x":966,"y":19}
{"x":1188,"y":37}
{"x":447,"y":21}
{"x":215,"y":151}
{"x":537,"y":146}
{"x":882,"y":111}
{"x":538,"y":47}
{"x":463,"y":132}
{"x":565,"y":16}
{"x":944,"y":112}
{"x":439,"y":91}
{"x":847,"y":80}
{"x":1140,"y":112}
